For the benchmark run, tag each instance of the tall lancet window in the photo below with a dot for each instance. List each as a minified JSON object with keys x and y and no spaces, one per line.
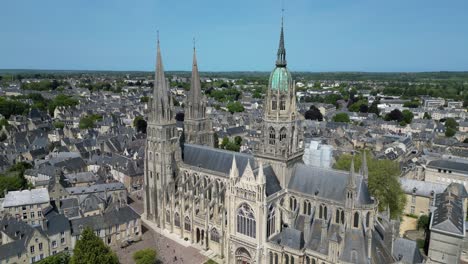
{"x":246,"y":223}
{"x":273,"y":103}
{"x":272,"y":133}
{"x":283,"y":103}
{"x":271,"y":221}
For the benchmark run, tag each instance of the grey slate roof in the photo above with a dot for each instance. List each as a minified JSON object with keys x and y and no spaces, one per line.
{"x":215,"y":159}
{"x":448,"y":215}
{"x":421,"y":188}
{"x":96,"y":188}
{"x":407,"y":251}
{"x":329,"y":184}
{"x":449,"y":165}
{"x":106,"y":220}
{"x":12,"y":249}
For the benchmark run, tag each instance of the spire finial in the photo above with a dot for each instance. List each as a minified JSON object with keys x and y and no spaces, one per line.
{"x":194,"y":43}
{"x":281,"y":55}
{"x":157,"y":35}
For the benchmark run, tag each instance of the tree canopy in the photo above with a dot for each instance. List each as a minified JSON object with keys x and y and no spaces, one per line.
{"x":60,"y":258}
{"x":91,"y":249}
{"x":313,"y":114}
{"x":235,"y":107}
{"x":383,"y":181}
{"x":341,"y":117}
{"x":145,"y":256}
{"x":140,"y":124}
{"x":88,"y":122}
{"x":13,"y":179}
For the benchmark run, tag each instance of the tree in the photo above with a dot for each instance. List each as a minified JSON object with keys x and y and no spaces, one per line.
{"x":423,"y":222}
{"x":450,"y":122}
{"x":224,"y":142}
{"x":238,"y":140}
{"x":140,"y":124}
{"x":86,"y":123}
{"x":383,"y":181}
{"x":144,"y":99}
{"x":394,"y":115}
{"x":358,"y":106}
{"x":313,"y":114}
{"x":373,"y":108}
{"x":90,"y":249}
{"x":60,"y":258}
{"x":235,"y":107}
{"x":450,"y":132}
{"x":341,"y":117}
{"x":407,"y":116}
{"x":59,"y":124}
{"x":145,"y":256}
{"x":427,"y":115}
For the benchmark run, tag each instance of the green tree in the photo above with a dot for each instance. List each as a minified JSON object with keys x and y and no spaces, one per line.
{"x":313,"y":114}
{"x":140,"y":124}
{"x":232,"y":146}
{"x":394,"y":115}
{"x":224,"y":142}
{"x":407,"y":116}
{"x":145,"y":256}
{"x":383,"y":181}
{"x":427,"y":115}
{"x":341,"y":117}
{"x":450,"y":122}
{"x":60,"y":258}
{"x":423,"y":222}
{"x":235,"y":107}
{"x":90,"y":249}
{"x":238,"y":140}
{"x":59,"y":124}
{"x":86,"y":122}
{"x":144,"y":99}
{"x":450,"y":132}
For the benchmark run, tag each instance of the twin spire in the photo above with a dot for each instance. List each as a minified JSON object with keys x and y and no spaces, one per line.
{"x":162,"y":100}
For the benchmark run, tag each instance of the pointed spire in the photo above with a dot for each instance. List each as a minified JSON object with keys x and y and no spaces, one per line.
{"x":351,"y":178}
{"x":161,"y":107}
{"x":281,"y":55}
{"x":234,"y":172}
{"x":195,"y":109}
{"x":261,"y":176}
{"x":364,"y":168}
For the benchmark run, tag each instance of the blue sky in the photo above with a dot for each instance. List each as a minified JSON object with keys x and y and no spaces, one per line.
{"x":241,"y":35}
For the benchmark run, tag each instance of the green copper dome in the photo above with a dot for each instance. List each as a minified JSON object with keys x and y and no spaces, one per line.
{"x":280,"y":79}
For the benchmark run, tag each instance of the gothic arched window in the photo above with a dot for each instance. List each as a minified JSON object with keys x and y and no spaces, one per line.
{"x":356,"y":220}
{"x":307,"y":207}
{"x":323,"y":212}
{"x":176,"y":219}
{"x":168,"y":216}
{"x":246,"y":223}
{"x":273,"y":103}
{"x":282,"y":134}
{"x":292,"y":203}
{"x":214,"y":235}
{"x":271,"y":221}
{"x":272,"y":134}
{"x":342,"y":217}
{"x":187,"y":224}
{"x":283,"y":103}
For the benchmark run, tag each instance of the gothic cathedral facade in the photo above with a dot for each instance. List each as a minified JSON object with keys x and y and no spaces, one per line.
{"x":265,"y":207}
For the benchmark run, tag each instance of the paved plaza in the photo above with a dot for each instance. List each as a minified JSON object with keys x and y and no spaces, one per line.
{"x":169,"y":251}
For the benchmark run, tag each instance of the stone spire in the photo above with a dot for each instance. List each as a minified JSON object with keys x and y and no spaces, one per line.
{"x":352,"y":176}
{"x":281,"y":55}
{"x":161,"y":108}
{"x":364,"y":168}
{"x":261,"y":175}
{"x":195,"y":104}
{"x":234,"y":172}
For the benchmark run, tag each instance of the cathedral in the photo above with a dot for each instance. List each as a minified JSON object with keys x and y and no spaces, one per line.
{"x":265,"y":207}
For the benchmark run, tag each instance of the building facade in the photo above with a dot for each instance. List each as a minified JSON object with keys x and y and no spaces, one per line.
{"x":268,"y":207}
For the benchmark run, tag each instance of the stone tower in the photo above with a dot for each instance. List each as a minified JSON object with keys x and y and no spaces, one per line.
{"x":282,"y":137}
{"x":198,"y":128}
{"x":162,"y":145}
